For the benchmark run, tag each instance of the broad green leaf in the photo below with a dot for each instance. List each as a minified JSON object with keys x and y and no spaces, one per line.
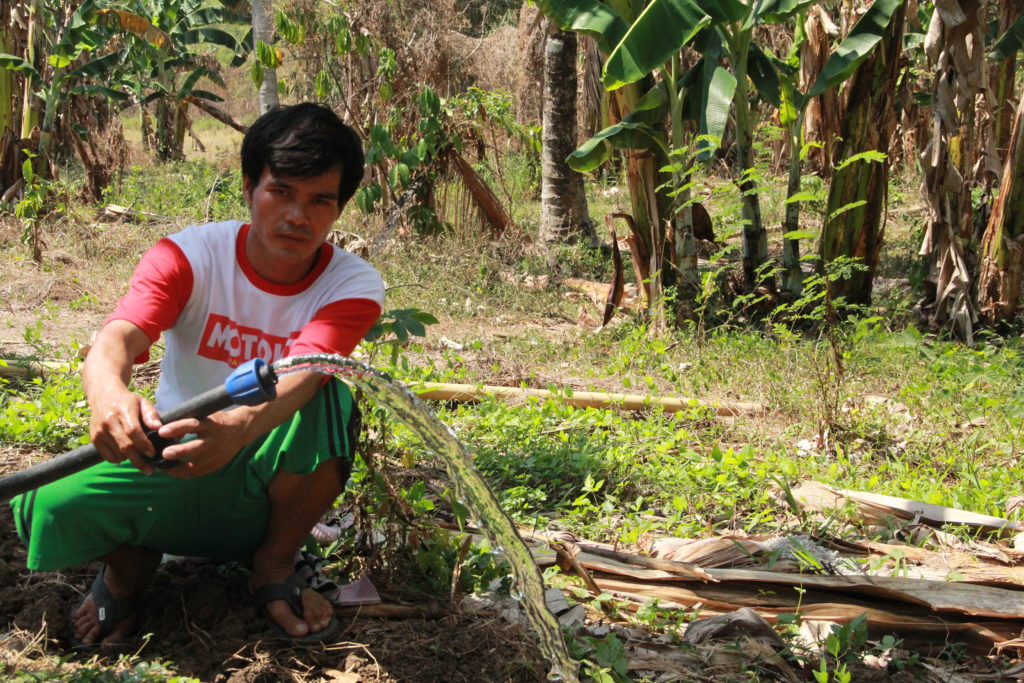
{"x":652,"y":107}
{"x":847,"y":207}
{"x":18,"y":64}
{"x":1008,"y":44}
{"x":100,"y":68}
{"x":802,"y":196}
{"x":792,"y":101}
{"x":662,"y":29}
{"x":761,"y":70}
{"x":218,"y":15}
{"x":870,"y":155}
{"x":589,"y":17}
{"x":724,"y":11}
{"x":267,"y":55}
{"x":595,"y":151}
{"x":256,"y":73}
{"x":719,"y":88}
{"x":244,"y":48}
{"x":206,"y":36}
{"x":778,"y":11}
{"x":590,"y":155}
{"x":800,"y":235}
{"x":190,"y":82}
{"x":101,"y":90}
{"x":207,"y":95}
{"x":322,"y":84}
{"x":856,"y":47}
{"x":59,"y":61}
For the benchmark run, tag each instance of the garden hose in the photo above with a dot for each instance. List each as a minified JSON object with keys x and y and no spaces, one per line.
{"x":250,"y":384}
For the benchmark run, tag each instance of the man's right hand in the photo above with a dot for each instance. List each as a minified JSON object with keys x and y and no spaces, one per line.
{"x":120,"y":417}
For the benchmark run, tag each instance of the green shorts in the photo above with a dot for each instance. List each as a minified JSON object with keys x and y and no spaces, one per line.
{"x":222,"y":515}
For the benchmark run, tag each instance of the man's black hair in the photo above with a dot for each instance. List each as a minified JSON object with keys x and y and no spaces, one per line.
{"x":304,"y":140}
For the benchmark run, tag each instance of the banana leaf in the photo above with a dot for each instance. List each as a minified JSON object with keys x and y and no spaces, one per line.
{"x":588,"y":17}
{"x":1008,"y":44}
{"x":206,"y":95}
{"x":102,"y":90}
{"x":778,"y":11}
{"x":198,"y":36}
{"x":762,"y":70}
{"x":662,"y":29}
{"x":856,"y":47}
{"x":13,"y":63}
{"x":99,"y":67}
{"x":724,"y":11}
{"x":718,"y":89}
{"x":596,"y":150}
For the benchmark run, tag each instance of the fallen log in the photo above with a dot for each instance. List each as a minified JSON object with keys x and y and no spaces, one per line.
{"x":470,"y":393}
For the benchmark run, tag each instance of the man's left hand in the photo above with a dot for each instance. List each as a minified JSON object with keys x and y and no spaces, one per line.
{"x":216,"y":440}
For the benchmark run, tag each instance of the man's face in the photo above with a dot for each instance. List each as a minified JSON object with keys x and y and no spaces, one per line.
{"x":290,"y":217}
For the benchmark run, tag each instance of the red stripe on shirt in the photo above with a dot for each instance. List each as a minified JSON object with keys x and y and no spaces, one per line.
{"x":337,"y":327}
{"x":158,"y":291}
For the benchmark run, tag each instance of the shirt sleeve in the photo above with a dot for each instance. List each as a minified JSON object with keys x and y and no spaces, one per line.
{"x":337,"y":327}
{"x":158,"y":291}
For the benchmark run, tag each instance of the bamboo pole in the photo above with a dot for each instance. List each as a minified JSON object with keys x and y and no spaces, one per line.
{"x":25,"y":368}
{"x":434,"y":391}
{"x":470,"y":393}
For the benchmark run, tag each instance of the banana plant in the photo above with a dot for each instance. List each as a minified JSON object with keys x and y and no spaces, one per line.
{"x":69,"y":69}
{"x":162,"y":64}
{"x":841,"y":65}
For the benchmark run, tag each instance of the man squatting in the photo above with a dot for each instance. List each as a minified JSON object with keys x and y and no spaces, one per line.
{"x":252,"y":481}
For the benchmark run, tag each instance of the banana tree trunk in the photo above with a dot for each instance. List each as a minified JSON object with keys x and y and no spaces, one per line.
{"x":262,"y":31}
{"x":29,"y":108}
{"x":1002,"y":268}
{"x":1001,"y":77}
{"x":792,"y":276}
{"x":950,"y":162}
{"x":563,"y":204}
{"x":755,"y":237}
{"x":8,"y":100}
{"x":856,"y":231}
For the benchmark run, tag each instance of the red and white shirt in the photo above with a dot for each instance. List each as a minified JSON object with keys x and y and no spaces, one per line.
{"x":198,"y":288}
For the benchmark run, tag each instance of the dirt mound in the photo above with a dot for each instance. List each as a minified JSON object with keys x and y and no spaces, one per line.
{"x":202,"y":620}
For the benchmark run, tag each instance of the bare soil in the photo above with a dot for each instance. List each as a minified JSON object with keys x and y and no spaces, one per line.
{"x":201,"y":620}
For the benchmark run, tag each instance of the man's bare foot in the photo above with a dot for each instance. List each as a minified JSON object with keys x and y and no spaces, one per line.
{"x":317,"y":611}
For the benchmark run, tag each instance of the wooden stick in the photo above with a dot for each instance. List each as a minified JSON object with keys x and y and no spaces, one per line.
{"x":434,"y":391}
{"x":23,"y":368}
{"x":394,"y":611}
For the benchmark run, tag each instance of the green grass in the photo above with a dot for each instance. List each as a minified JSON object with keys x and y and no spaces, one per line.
{"x":948,"y":430}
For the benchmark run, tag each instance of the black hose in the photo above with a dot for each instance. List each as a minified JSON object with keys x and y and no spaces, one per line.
{"x":60,"y":466}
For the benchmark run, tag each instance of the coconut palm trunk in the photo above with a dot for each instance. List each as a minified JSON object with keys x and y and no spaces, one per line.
{"x":263,"y":31}
{"x":1002,"y":268}
{"x":563,"y":204}
{"x":854,"y":224}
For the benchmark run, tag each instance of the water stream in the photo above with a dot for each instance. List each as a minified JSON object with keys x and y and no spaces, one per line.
{"x":470,"y":488}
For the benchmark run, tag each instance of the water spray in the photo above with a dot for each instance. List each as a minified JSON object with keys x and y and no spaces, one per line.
{"x":255,"y":382}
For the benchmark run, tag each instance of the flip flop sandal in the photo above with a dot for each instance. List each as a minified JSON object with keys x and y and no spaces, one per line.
{"x":108,"y":611}
{"x":291,"y":592}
